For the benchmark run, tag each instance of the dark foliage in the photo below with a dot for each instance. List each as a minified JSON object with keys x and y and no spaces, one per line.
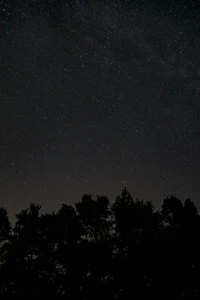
{"x":103,"y":250}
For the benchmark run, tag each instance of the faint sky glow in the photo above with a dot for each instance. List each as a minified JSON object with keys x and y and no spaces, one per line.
{"x":97,"y":97}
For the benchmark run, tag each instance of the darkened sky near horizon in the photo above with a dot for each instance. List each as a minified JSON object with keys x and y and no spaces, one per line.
{"x":95,"y":97}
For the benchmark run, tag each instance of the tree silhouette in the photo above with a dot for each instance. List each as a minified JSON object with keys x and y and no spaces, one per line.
{"x":101,"y":249}
{"x":95,"y":247}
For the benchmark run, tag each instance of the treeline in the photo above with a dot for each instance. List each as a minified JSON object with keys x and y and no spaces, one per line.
{"x":102,"y":250}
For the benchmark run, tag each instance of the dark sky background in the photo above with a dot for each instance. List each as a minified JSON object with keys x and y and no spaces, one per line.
{"x":98,"y":95}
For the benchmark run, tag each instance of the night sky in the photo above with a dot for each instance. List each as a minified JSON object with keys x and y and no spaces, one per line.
{"x":98,"y":95}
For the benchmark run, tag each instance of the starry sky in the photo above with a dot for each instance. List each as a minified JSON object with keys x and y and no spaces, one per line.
{"x":98,"y":95}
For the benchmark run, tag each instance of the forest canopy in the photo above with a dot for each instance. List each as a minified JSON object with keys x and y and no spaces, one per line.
{"x":99,"y":249}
